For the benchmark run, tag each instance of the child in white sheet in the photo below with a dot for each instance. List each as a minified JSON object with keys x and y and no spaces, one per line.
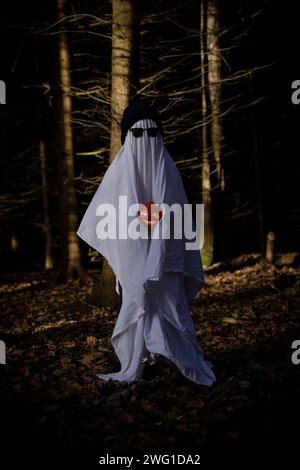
{"x":157,"y":276}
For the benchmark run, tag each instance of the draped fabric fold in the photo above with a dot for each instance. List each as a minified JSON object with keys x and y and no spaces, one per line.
{"x":159,"y":276}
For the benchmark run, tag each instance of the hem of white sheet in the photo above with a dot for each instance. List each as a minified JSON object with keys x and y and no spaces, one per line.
{"x":187,"y":372}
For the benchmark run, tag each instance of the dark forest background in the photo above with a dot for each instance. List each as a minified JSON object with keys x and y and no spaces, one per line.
{"x":220,"y":73}
{"x":259,"y":133}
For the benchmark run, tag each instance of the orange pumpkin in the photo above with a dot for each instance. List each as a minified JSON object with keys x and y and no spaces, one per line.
{"x":149,"y":213}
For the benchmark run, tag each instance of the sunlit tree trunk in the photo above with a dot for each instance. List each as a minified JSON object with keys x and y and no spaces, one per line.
{"x":207,"y":250}
{"x":124,"y":85}
{"x":217,"y":169}
{"x":211,"y":133}
{"x":70,"y":261}
{"x":125,"y":64}
{"x":270,"y":252}
{"x":48,"y":239}
{"x":214,"y":83}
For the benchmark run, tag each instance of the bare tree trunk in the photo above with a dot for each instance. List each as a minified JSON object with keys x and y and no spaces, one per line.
{"x":212,"y":169}
{"x":214,"y":82}
{"x":270,"y":252}
{"x":48,"y":238}
{"x":124,"y":85}
{"x":14,"y":242}
{"x":70,"y":260}
{"x":208,"y":247}
{"x":125,"y":64}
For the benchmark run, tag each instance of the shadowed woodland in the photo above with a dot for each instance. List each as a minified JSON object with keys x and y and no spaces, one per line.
{"x":220,"y":75}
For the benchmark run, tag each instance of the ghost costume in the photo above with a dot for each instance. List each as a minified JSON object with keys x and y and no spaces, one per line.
{"x":159,"y":277}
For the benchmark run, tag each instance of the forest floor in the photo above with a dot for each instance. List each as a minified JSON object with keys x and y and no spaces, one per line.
{"x":246,"y":320}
